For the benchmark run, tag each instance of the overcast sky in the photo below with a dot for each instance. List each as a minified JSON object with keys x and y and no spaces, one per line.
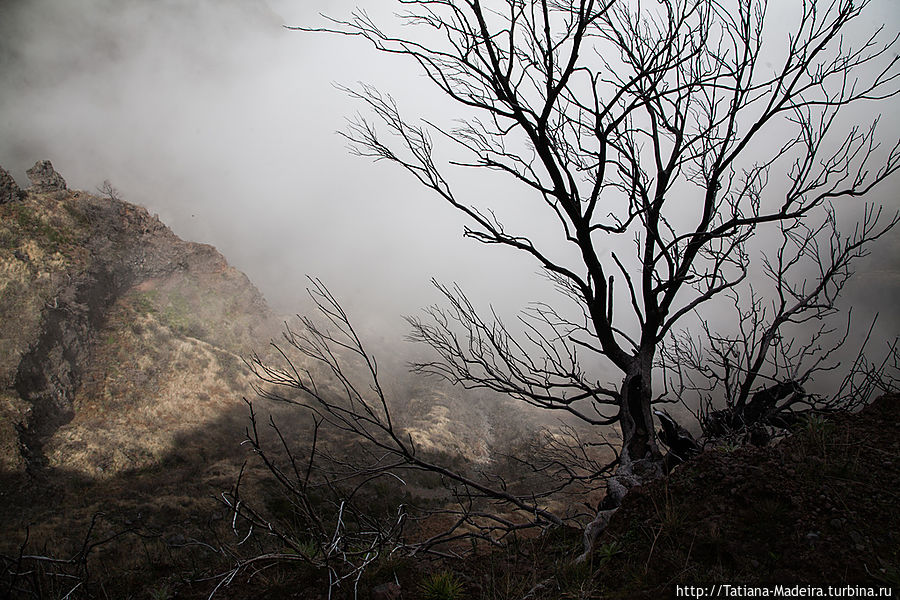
{"x":212,"y":115}
{"x":216,"y":118}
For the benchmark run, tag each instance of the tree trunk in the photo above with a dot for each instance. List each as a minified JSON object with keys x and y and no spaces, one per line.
{"x":640,"y":460}
{"x":636,"y":418}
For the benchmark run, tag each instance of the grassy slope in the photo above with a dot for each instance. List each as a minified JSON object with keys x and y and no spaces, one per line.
{"x":158,"y":411}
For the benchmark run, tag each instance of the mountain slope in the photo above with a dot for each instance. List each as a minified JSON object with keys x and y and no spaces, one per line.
{"x":817,"y":508}
{"x":121,"y":395}
{"x":121,"y":386}
{"x":116,"y":336}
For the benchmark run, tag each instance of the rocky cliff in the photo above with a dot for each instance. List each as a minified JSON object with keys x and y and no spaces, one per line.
{"x":116,"y":336}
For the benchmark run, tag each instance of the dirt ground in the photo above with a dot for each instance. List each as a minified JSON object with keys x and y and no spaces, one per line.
{"x":818,"y":508}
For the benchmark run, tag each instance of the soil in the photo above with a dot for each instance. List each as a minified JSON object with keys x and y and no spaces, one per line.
{"x":818,"y":508}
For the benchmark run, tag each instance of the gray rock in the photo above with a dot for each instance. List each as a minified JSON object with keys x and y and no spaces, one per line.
{"x":9,"y":189}
{"x":44,"y":177}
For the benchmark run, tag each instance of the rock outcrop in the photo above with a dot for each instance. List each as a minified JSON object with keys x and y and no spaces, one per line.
{"x":9,"y":189}
{"x":44,"y":178}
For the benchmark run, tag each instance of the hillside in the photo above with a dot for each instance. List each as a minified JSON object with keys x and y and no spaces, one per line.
{"x":122,"y":387}
{"x":820,"y":507}
{"x":121,"y":373}
{"x":122,"y":413}
{"x":102,"y":307}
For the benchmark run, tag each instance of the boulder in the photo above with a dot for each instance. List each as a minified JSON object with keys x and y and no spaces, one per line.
{"x":9,"y":189}
{"x":44,"y":177}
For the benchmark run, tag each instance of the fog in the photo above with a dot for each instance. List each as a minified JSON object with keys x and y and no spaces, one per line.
{"x":222,"y":122}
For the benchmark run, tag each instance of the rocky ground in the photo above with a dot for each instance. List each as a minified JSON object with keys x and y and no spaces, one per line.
{"x":115,"y":335}
{"x":817,"y":508}
{"x":121,"y":376}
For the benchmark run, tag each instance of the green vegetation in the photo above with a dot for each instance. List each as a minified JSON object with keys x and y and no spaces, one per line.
{"x":145,"y":302}
{"x":444,"y":585}
{"x":728,"y":446}
{"x":177,"y":312}
{"x":818,"y":431}
{"x":607,"y":551}
{"x":33,"y":226}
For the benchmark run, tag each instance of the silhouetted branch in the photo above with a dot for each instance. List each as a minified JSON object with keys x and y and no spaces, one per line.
{"x":326,"y":371}
{"x":667,"y":127}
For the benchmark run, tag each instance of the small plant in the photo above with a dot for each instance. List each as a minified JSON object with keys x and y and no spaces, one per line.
{"x":306,"y":548}
{"x":728,"y":446}
{"x":772,"y":509}
{"x":576,"y":579}
{"x":441,"y":586}
{"x":671,"y":516}
{"x":818,"y":431}
{"x":160,"y":593}
{"x":817,"y":425}
{"x":605,"y":552}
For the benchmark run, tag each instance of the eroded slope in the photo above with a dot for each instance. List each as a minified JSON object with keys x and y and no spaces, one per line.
{"x":115,"y":335}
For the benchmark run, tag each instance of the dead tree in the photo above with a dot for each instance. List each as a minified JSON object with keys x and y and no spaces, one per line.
{"x":669,"y":127}
{"x":326,"y":371}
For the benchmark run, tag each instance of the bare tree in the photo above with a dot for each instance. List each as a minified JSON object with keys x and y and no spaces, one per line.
{"x":687,"y":130}
{"x":686,"y":127}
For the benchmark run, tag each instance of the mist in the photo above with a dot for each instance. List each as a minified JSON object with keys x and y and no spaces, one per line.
{"x":221,"y":121}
